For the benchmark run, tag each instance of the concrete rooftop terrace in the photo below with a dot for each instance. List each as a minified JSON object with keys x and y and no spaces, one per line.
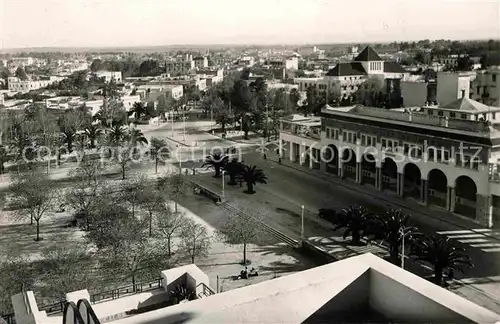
{"x":336,"y":292}
{"x":475,"y":128}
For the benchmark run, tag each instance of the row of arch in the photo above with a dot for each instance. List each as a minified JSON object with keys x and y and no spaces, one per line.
{"x":437,"y":192}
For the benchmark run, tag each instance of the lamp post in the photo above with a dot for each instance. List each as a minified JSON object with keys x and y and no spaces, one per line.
{"x":180,"y":158}
{"x":184,"y":125}
{"x":172,"y":122}
{"x":212,"y":120}
{"x":403,"y":235}
{"x":302,"y":223}
{"x":223,"y":184}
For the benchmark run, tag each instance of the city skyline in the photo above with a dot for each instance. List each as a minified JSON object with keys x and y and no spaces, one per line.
{"x":129,"y":23}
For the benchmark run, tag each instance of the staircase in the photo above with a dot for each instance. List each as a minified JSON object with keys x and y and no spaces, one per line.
{"x":277,"y":234}
{"x":205,"y":291}
{"x":81,"y":313}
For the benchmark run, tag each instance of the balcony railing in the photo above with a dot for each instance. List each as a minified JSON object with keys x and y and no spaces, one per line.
{"x":313,"y":132}
{"x":126,"y":290}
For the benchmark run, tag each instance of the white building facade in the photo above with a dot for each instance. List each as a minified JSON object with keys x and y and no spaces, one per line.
{"x":445,"y":163}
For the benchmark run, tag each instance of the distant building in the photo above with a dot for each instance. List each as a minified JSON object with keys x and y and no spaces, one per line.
{"x":200,"y":62}
{"x":180,"y":66}
{"x":346,"y":79}
{"x":464,"y":108}
{"x":18,"y":85}
{"x":453,"y":85}
{"x":291,"y":63}
{"x":247,"y":61}
{"x":110,"y":75}
{"x":486,"y":86}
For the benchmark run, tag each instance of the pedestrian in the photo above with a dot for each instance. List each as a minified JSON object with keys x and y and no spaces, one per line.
{"x":279,"y":160}
{"x":265,"y":156}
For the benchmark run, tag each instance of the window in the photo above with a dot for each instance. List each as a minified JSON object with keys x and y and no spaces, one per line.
{"x":430,"y":112}
{"x":440,"y":113}
{"x":463,"y":94}
{"x":463,"y":116}
{"x":452,"y":115}
{"x":328,"y":133}
{"x":494,"y":77}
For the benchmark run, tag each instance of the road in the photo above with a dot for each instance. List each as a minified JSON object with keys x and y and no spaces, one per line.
{"x":288,"y":188}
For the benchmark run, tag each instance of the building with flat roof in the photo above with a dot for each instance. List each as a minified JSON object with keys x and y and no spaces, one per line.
{"x":109,"y":76}
{"x":486,"y":86}
{"x":361,"y":289}
{"x":435,"y":160}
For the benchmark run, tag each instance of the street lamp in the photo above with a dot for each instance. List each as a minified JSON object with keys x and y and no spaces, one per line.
{"x":223,"y":184}
{"x":184,"y":124}
{"x":403,"y":235}
{"x":302,"y":223}
{"x":180,"y":158}
{"x":172,"y":122}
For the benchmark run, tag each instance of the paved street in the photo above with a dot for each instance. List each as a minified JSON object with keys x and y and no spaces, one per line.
{"x":288,"y":188}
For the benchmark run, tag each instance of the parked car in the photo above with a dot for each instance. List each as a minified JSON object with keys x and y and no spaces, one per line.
{"x":328,"y":214}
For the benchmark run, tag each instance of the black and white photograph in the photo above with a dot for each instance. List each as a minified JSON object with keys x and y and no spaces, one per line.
{"x":262,"y":162}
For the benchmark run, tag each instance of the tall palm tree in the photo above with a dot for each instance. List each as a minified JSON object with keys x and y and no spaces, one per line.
{"x":441,"y":254}
{"x":137,"y":137}
{"x":92,"y":132}
{"x":117,"y":133}
{"x":138,"y":110}
{"x":233,"y":168}
{"x":158,"y":148}
{"x":392,"y":227}
{"x":355,"y":220}
{"x":251,"y":175}
{"x":217,"y":161}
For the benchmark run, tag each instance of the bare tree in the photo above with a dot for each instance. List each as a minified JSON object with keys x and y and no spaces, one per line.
{"x":83,"y":196}
{"x":153,"y":201}
{"x":65,"y":269}
{"x":170,"y":223}
{"x":175,"y":185}
{"x":112,"y":225}
{"x":241,"y":228}
{"x":134,"y":191}
{"x":124,"y":156}
{"x":17,"y":275}
{"x":195,"y":241}
{"x":34,"y":192}
{"x":133,"y":257}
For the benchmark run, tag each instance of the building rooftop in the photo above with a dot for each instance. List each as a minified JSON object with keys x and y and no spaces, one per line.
{"x":476,"y":128}
{"x":346,"y":69}
{"x":393,"y":67}
{"x":366,"y":55}
{"x":359,"y":289}
{"x":466,"y":105}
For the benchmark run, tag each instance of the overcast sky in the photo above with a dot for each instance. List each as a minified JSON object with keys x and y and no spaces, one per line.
{"x":77,"y":23}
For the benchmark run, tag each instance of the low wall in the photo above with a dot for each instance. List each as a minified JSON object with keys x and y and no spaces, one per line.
{"x":316,"y":252}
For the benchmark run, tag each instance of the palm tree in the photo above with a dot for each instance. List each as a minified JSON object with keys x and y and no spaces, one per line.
{"x":217,"y":161}
{"x":93,"y":132}
{"x":355,"y":220}
{"x":223,"y":118}
{"x":137,"y":137}
{"x":138,"y":109}
{"x":251,"y":176}
{"x":4,"y":157}
{"x":233,"y":168}
{"x":440,"y":253}
{"x":158,"y":149}
{"x":392,"y":227}
{"x":116,"y":133}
